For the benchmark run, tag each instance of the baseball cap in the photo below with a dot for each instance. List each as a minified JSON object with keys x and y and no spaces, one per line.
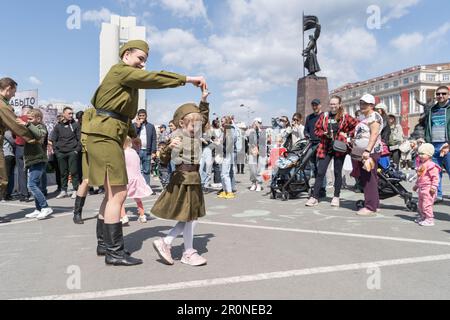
{"x":315,"y":102}
{"x":368,"y":98}
{"x":381,"y":106}
{"x":258,"y":120}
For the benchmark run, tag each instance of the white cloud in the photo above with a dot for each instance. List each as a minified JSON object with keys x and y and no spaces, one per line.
{"x":398,"y":9}
{"x":406,"y":42}
{"x":35,"y":81}
{"x":440,"y":32}
{"x":351,"y":45}
{"x":97,"y":16}
{"x":186,"y":8}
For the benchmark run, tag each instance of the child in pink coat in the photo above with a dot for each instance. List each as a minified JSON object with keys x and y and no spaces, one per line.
{"x":426,"y":185}
{"x":137,"y":187}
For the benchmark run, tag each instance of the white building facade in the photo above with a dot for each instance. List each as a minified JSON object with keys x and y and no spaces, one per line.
{"x":112,"y":36}
{"x":399,"y":91}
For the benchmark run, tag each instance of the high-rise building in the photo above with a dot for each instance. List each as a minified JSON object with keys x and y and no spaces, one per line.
{"x":112,"y":36}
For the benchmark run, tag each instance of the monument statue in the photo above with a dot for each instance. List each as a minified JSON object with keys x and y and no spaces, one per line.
{"x":310,"y":53}
{"x":311,"y":86}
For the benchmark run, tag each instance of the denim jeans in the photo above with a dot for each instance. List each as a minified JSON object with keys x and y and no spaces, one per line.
{"x":441,"y":161}
{"x":227,"y":165}
{"x":35,"y":173}
{"x":206,"y":163}
{"x":145,"y":165}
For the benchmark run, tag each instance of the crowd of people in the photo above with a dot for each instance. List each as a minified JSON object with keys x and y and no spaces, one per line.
{"x":193,"y":155}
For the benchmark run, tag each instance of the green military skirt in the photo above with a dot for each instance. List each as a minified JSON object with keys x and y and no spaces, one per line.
{"x":106,"y":156}
{"x":182,"y":200}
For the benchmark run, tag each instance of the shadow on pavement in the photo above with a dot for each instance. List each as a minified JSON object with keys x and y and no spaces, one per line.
{"x":19,"y":215}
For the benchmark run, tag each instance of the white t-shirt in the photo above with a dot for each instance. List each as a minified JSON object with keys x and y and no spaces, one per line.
{"x":362,"y":132}
{"x":143,"y":137}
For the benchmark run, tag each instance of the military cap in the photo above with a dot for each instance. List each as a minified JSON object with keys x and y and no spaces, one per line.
{"x":134,"y":44}
{"x":183,"y":111}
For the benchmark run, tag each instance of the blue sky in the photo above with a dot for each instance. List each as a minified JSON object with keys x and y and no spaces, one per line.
{"x":248,"y":50}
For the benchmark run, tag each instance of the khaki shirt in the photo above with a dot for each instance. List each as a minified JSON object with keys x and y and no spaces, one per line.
{"x":191,"y":149}
{"x":119,"y":93}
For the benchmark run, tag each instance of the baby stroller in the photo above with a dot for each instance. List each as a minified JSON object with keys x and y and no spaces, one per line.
{"x":290,"y":179}
{"x":389,"y":186}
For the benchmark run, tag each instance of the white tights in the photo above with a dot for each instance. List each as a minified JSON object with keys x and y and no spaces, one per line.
{"x":185,"y":228}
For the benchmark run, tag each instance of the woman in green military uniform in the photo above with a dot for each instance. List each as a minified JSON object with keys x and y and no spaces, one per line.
{"x":116,"y":103}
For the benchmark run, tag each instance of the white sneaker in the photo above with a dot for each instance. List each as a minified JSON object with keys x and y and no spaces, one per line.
{"x":63,"y":194}
{"x":312,"y":202}
{"x":33,"y":215}
{"x":142,"y":219}
{"x":253,"y":188}
{"x":258,"y":188}
{"x":125,"y":220}
{"x":45,"y":213}
{"x":74,"y":195}
{"x":335,"y":202}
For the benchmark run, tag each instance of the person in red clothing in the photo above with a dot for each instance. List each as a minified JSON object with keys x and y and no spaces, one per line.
{"x":275,"y":154}
{"x":333,"y":125}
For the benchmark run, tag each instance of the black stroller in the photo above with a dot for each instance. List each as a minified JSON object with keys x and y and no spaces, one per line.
{"x":290,"y":179}
{"x":389,"y":186}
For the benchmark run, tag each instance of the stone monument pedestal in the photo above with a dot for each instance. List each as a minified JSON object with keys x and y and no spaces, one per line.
{"x":310,"y":88}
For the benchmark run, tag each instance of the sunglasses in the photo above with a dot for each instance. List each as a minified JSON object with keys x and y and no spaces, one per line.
{"x":441,"y":94}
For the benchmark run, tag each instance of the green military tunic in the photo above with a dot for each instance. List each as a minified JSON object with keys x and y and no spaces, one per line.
{"x":8,"y":122}
{"x":183,"y":198}
{"x":119,"y":93}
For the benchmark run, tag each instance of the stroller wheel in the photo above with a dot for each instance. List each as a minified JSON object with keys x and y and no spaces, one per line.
{"x":285,"y":196}
{"x":360,"y":204}
{"x":411,"y":206}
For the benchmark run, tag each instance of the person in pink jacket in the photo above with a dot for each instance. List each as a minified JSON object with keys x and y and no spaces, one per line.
{"x":137,"y":187}
{"x":426,"y":185}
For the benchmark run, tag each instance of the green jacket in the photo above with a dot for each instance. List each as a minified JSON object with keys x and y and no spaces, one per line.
{"x":35,"y":153}
{"x":119,"y":93}
{"x":428,"y":122}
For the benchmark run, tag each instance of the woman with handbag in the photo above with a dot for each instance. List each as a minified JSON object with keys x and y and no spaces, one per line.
{"x":333,"y":128}
{"x":367,"y":146}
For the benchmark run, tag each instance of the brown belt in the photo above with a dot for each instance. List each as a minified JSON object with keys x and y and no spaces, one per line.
{"x":188,"y":167}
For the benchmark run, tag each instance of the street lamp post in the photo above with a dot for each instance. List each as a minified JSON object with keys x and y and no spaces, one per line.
{"x":249,"y":111}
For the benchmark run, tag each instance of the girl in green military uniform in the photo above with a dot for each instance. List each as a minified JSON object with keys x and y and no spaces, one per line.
{"x":116,"y":103}
{"x":183,"y":198}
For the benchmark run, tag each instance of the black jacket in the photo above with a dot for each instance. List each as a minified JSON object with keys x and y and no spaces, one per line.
{"x":152,"y":146}
{"x":310,"y":126}
{"x":66,"y":137}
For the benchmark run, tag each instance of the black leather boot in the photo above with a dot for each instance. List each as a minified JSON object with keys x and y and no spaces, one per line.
{"x":115,"y":247}
{"x":79,"y":204}
{"x":101,"y":246}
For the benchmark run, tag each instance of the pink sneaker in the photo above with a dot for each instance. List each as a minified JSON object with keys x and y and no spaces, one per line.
{"x":163,"y":251}
{"x":364,"y":212}
{"x":192,"y":258}
{"x":427,"y":223}
{"x":312,"y":202}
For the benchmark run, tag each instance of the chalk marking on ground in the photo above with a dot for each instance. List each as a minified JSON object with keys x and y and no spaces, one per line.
{"x":330,"y":233}
{"x":239,"y":279}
